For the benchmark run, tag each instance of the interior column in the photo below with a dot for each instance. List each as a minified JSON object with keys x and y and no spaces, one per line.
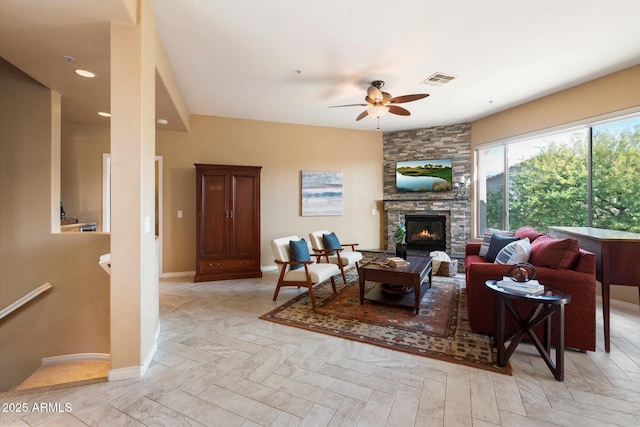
{"x":134,"y":318}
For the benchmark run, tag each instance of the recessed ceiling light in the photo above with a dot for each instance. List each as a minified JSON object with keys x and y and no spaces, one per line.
{"x":104,"y":114}
{"x":85,"y":73}
{"x":162,"y":121}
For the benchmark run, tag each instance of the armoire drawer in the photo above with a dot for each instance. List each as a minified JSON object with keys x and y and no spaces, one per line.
{"x":227,"y":264}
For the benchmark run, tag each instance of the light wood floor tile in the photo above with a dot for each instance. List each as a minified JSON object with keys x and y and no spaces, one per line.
{"x":457,"y":410}
{"x":432,"y":402}
{"x":405,"y":406}
{"x":218,"y":364}
{"x":376,"y":411}
{"x":484,"y":405}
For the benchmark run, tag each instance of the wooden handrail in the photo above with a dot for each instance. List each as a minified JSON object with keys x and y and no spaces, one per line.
{"x":25,"y":299}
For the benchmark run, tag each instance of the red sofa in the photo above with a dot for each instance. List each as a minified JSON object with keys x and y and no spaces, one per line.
{"x":574,"y":273}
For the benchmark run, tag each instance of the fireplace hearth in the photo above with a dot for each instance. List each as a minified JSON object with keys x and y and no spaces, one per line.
{"x":426,"y":232}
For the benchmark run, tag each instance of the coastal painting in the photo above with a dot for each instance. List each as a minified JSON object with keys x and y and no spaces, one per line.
{"x":321,"y":193}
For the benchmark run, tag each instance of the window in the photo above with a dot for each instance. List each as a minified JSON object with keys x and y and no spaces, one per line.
{"x":583,"y":176}
{"x":491,"y":185}
{"x":616,"y":175}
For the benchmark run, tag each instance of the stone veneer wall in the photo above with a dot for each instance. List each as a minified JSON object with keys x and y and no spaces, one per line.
{"x":441,"y":142}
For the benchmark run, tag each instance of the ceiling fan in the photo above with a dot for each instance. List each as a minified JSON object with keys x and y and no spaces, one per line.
{"x":381,"y":103}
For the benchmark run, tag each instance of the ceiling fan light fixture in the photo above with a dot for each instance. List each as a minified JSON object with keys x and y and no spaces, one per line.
{"x":374,"y":93}
{"x":378,"y":111}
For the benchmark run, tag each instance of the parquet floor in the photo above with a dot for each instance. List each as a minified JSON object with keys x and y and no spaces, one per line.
{"x":219,"y":365}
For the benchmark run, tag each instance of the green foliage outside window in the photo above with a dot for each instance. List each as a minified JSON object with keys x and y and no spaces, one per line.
{"x":616,"y":180}
{"x":495,"y":208}
{"x":550,"y":188}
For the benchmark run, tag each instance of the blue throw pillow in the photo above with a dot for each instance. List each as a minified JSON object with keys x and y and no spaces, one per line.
{"x":298,"y":251}
{"x":330,"y":241}
{"x":497,"y":243}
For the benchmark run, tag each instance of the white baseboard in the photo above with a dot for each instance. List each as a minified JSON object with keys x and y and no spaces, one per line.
{"x":68,"y":358}
{"x":124,"y":373}
{"x":148,"y":359}
{"x":136,"y":371}
{"x":177,"y":274}
{"x":191,"y":273}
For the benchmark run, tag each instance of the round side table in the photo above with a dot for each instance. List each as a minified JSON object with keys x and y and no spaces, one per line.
{"x":546,"y":304}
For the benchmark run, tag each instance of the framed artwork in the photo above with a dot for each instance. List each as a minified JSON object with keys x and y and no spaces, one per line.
{"x":321,"y":193}
{"x":424,"y":175}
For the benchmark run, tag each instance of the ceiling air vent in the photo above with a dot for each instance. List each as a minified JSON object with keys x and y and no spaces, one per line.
{"x":438,"y":79}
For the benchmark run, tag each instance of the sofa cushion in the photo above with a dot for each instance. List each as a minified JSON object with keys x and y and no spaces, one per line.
{"x":486,"y":239}
{"x":298,"y":251}
{"x":497,"y":243}
{"x":547,"y":251}
{"x":531,"y":233}
{"x":515,"y":252}
{"x":331,"y":241}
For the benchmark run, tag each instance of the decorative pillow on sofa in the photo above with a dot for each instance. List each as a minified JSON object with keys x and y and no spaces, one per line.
{"x":298,"y":251}
{"x":529,"y":232}
{"x":330,"y":241}
{"x":497,"y":243}
{"x":486,"y":239}
{"x":514,"y":252}
{"x":547,"y":251}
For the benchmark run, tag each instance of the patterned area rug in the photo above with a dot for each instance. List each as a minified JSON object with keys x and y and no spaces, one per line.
{"x":440,"y":330}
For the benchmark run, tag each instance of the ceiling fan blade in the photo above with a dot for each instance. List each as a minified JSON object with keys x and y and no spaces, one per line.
{"x":349,"y":105}
{"x":399,"y":110}
{"x":408,"y":98}
{"x":362,"y":115}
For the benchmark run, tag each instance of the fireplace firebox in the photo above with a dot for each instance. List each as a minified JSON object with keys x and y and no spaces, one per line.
{"x":426,"y":232}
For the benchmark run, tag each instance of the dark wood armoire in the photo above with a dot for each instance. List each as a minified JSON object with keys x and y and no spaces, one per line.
{"x":228,"y":222}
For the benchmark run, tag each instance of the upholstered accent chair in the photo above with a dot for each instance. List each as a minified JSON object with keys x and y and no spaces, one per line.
{"x":296,"y":267}
{"x":327,"y":245}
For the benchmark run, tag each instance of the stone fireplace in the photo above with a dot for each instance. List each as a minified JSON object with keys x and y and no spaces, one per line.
{"x":442,"y":142}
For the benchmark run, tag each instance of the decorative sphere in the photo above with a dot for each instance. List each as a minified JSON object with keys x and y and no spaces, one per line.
{"x":522,"y":272}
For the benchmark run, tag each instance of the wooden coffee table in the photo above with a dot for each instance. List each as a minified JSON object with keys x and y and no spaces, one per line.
{"x":390,"y":281}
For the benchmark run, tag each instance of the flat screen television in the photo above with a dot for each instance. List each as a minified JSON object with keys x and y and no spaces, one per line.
{"x":417,"y":176}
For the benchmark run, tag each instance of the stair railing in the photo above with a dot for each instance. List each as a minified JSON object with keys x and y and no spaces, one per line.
{"x":25,"y":299}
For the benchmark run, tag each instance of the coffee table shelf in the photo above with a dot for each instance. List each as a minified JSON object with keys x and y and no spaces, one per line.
{"x":416,"y":275}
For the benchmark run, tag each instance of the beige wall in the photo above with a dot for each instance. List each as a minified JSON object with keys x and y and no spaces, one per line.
{"x":616,"y":92}
{"x":283,"y":151}
{"x":73,"y":317}
{"x":81,"y":169}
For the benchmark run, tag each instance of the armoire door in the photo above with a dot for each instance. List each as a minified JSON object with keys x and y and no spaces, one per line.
{"x":245,"y":230}
{"x":213,"y":215}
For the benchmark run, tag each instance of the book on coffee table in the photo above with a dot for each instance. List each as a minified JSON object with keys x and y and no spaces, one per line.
{"x":396,"y":262}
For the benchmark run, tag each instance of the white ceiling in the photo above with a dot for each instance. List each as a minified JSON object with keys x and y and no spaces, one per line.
{"x":289,"y":60}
